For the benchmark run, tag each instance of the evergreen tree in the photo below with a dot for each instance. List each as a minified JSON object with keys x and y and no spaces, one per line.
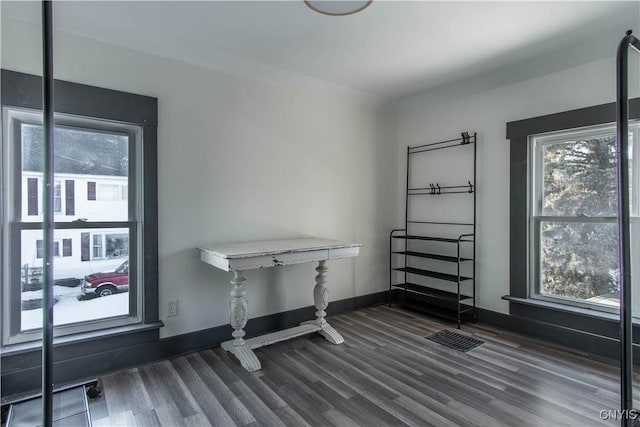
{"x":579,"y":259}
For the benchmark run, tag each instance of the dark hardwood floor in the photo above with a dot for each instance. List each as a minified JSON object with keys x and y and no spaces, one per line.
{"x":385,"y":374}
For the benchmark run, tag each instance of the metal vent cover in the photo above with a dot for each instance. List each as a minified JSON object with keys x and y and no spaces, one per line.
{"x":454,"y":340}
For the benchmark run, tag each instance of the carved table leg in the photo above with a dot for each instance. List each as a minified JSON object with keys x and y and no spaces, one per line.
{"x":238,"y":319}
{"x":321,"y":300}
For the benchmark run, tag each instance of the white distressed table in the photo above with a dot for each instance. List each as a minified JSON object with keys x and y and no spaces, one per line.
{"x":239,"y":257}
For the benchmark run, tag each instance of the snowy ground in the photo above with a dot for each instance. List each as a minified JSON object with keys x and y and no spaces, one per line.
{"x":69,"y":310}
{"x":60,"y":292}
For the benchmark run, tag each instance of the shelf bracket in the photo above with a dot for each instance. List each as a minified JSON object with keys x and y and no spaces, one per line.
{"x":466,"y":138}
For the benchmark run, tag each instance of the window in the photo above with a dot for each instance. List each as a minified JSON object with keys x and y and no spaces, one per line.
{"x":40,"y":250}
{"x":57,"y":197}
{"x":573,"y":227}
{"x":563,"y":218}
{"x":84,"y":148}
{"x":67,"y":247}
{"x":107,"y":142}
{"x":91,"y":190}
{"x":111,"y":192}
{"x":69,"y":189}
{"x":32,"y":196}
{"x":97,"y":246}
{"x":117,"y":245}
{"x":109,"y":246}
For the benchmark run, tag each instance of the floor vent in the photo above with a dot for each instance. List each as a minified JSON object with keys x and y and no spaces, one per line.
{"x":454,"y":340}
{"x":70,"y":408}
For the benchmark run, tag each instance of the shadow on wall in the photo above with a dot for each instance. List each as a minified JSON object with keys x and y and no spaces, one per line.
{"x":276,"y":288}
{"x":202,"y":301}
{"x":203,"y":291}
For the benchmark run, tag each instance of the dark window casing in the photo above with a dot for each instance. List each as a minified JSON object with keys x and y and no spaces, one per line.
{"x":69,"y":189}
{"x":25,"y":91}
{"x":518,"y":133}
{"x":32,"y":196}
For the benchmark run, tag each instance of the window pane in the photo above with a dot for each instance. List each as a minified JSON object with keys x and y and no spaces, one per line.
{"x":39,"y":248}
{"x":117,"y":245}
{"x":96,"y":160}
{"x":32,"y":199}
{"x":108,"y":192}
{"x":579,"y":177}
{"x":57,"y":197}
{"x":70,"y":197}
{"x":579,"y":261}
{"x":97,"y":246}
{"x":67,"y":247}
{"x":83,"y":290}
{"x":91,"y":190}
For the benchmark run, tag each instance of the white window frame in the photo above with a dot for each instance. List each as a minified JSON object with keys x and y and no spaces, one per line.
{"x":103,"y":245}
{"x":100,"y":239}
{"x":536,"y":217}
{"x":13,"y":223}
{"x":57,"y":197}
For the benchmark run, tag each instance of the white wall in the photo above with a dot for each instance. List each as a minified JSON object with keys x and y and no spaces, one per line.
{"x":244,"y":160}
{"x":487,"y":114}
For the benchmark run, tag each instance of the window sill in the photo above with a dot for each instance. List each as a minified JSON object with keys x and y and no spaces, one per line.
{"x":15,"y":349}
{"x":564,"y":308}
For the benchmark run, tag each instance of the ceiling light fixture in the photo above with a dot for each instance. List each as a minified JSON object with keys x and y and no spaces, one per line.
{"x":338,"y":7}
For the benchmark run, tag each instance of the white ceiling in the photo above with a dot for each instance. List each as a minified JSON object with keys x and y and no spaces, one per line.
{"x":390,"y":50}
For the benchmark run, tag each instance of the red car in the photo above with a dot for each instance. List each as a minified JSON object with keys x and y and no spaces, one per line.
{"x":107,"y":283}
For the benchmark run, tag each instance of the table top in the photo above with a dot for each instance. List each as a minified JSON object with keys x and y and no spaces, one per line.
{"x":273,"y":247}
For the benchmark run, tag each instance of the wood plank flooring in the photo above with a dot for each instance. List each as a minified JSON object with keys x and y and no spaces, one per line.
{"x":385,"y":374}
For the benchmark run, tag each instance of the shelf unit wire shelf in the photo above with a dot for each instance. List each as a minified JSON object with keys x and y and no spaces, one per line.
{"x":440,"y":301}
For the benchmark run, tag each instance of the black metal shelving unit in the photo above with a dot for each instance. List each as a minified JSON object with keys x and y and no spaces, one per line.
{"x":450,"y":295}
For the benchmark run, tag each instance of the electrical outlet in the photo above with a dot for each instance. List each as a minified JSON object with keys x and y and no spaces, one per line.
{"x":172,"y":309}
